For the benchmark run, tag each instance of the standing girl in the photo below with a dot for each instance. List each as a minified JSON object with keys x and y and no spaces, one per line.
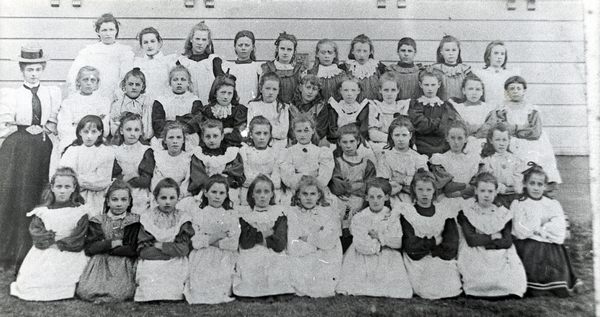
{"x":430,"y":115}
{"x":153,"y":63}
{"x":285,"y":66}
{"x":27,"y":119}
{"x":92,"y":161}
{"x":224,"y":106}
{"x":494,"y":73}
{"x":133,"y":100}
{"x":362,"y":66}
{"x":52,"y":267}
{"x":450,"y":64}
{"x":406,"y":70}
{"x":263,"y":267}
{"x":327,"y":70}
{"x":112,"y":59}
{"x":399,"y":163}
{"x":268,"y":105}
{"x":82,"y":103}
{"x":455,"y":168}
{"x":504,"y":165}
{"x":259,"y":157}
{"x":111,"y":243}
{"x":164,"y":243}
{"x":313,"y":241}
{"x":201,"y":60}
{"x":540,"y":228}
{"x":129,"y":152}
{"x":373,"y":264}
{"x":525,"y":124}
{"x":245,"y":68}
{"x":487,"y":260}
{"x":349,"y":109}
{"x":215,"y":242}
{"x":351,"y":174}
{"x":430,"y":241}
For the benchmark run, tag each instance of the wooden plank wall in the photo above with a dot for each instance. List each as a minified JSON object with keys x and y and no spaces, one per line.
{"x":547,"y":44}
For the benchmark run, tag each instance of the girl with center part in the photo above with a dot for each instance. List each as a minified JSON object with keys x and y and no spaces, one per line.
{"x":263,"y":267}
{"x":285,"y":66}
{"x":495,"y":73}
{"x":327,"y":70}
{"x":349,"y":109}
{"x":363,"y":66}
{"x":449,"y":62}
{"x":133,"y":100}
{"x":373,"y":264}
{"x":430,"y":241}
{"x":487,"y":260}
{"x":154,"y":63}
{"x":164,"y":242}
{"x":313,"y":241}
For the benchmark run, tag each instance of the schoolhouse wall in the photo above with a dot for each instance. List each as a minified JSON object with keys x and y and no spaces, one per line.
{"x":546,"y":44}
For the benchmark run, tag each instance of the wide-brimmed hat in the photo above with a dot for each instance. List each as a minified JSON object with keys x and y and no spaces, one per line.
{"x":32,"y":53}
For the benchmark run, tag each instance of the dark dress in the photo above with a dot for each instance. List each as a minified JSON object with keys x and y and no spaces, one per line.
{"x":236,"y":121}
{"x":290,"y":79}
{"x":431,"y":118}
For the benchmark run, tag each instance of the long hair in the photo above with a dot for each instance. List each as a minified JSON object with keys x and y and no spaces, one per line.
{"x":259,"y":120}
{"x":435,"y":73}
{"x":457,"y":124}
{"x":532,"y":170}
{"x":305,"y":118}
{"x":488,"y":53}
{"x":94,"y":121}
{"x":216,"y":179}
{"x":270,"y":76}
{"x":286,"y":37}
{"x":385,"y":77}
{"x":473,"y":77}
{"x":313,"y":80}
{"x":250,"y":35}
{"x":401,"y":121}
{"x":48,"y":197}
{"x":220,"y":81}
{"x":187,"y":47}
{"x":135,"y":72}
{"x":258,"y":179}
{"x":488,"y":148}
{"x":172,"y":125}
{"x":361,"y":39}
{"x":180,"y":68}
{"x":118,"y":185}
{"x":127,"y":116}
{"x":305,"y":181}
{"x":336,"y":59}
{"x":382,"y":184}
{"x":422,"y":175}
{"x":351,"y":129}
{"x":448,"y":39}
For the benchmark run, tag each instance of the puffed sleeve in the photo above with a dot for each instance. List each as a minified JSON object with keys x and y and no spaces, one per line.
{"x":240,"y":117}
{"x":288,"y":172}
{"x":249,"y":236}
{"x":555,"y":229}
{"x":42,"y":238}
{"x":362,"y":121}
{"x":448,"y":248}
{"x":326,"y":165}
{"x":198,"y":176}
{"x":182,"y":244}
{"x":505,"y":242}
{"x":322,"y":121}
{"x":278,"y":241}
{"x":375,"y":127}
{"x":333,"y":126}
{"x":129,"y":247}
{"x":362,"y":241}
{"x":158,"y":118}
{"x":415,"y":247}
{"x":420,"y":121}
{"x":524,"y":224}
{"x":235,"y":172}
{"x":76,"y":241}
{"x":65,"y":123}
{"x":95,"y":241}
{"x":533,"y":129}
{"x":442,"y":177}
{"x":490,"y":121}
{"x":115,"y":115}
{"x":56,"y":98}
{"x":145,"y":170}
{"x":338,"y":183}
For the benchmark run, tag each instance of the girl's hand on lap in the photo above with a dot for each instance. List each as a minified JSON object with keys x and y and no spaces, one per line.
{"x":373,"y":234}
{"x":116,"y":243}
{"x":158,"y":245}
{"x":50,"y":128}
{"x":227,"y":130}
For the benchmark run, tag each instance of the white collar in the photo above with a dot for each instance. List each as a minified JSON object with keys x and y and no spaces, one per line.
{"x":280,"y":66}
{"x":435,"y":101}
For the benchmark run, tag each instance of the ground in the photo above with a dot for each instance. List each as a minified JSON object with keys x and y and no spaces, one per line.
{"x":574,"y":196}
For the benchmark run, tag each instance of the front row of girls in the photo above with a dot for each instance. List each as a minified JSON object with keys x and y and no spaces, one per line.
{"x":209,"y":251}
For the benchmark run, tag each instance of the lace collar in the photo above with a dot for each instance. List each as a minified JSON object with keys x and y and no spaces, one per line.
{"x":362,"y":71}
{"x":220,"y":112}
{"x":328,"y":71}
{"x":280,"y":66}
{"x":435,"y":101}
{"x":455,"y":70}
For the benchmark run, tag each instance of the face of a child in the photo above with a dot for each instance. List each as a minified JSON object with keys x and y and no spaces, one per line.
{"x":401,"y":137}
{"x":450,"y":52}
{"x":348,"y":144}
{"x":131,"y":130}
{"x":303,"y":132}
{"x":424,"y":192}
{"x":500,"y":141}
{"x":174,"y":141}
{"x":62,"y":188}
{"x":389,"y":92}
{"x":361,"y":52}
{"x":133,"y":87}
{"x":180,"y":82}
{"x":90,"y":134}
{"x":167,"y":199}
{"x":212,"y":138}
{"x":224,"y":95}
{"x":515,"y":92}
{"x":326,"y":54}
{"x":309,"y":196}
{"x":200,"y":42}
{"x":376,"y":199}
{"x":216,"y":195}
{"x":457,"y":139}
{"x":473,"y":90}
{"x":285,"y":52}
{"x":406,"y":53}
{"x":270,"y":90}
{"x":88,"y":83}
{"x":32,"y":73}
{"x":243,"y":48}
{"x":260,"y":135}
{"x":486,"y":192}
{"x":107,"y":33}
{"x":262,"y":194}
{"x":349,"y":91}
{"x":497,"y":56}
{"x":118,"y":201}
{"x":150,"y":44}
{"x":430,"y":86}
{"x":309,"y":92}
{"x":536,"y":185}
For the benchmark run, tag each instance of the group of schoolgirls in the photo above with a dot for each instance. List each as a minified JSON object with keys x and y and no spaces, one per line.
{"x":354,"y":178}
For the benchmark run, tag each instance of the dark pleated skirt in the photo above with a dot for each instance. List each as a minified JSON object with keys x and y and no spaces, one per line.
{"x":24,"y":164}
{"x":547,"y":266}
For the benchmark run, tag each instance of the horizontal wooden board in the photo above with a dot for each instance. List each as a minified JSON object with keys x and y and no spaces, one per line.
{"x":482,"y":30}
{"x":569,"y":140}
{"x":564,"y":115}
{"x":415,"y":9}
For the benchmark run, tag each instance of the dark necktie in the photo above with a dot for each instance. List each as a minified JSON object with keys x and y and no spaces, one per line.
{"x":36,"y":106}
